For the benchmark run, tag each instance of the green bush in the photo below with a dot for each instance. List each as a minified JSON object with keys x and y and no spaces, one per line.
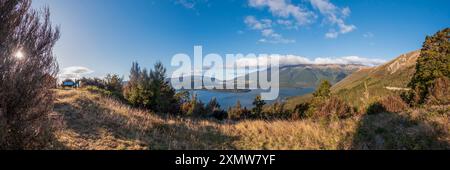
{"x":151,"y":90}
{"x":433,"y":63}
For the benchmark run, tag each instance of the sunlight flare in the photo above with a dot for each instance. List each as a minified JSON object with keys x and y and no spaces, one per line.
{"x":19,"y":55}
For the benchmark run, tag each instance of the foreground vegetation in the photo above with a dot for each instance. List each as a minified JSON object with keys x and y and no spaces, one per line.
{"x":86,"y":120}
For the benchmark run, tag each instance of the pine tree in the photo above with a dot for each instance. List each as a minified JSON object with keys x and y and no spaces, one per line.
{"x":131,"y":90}
{"x":433,"y":63}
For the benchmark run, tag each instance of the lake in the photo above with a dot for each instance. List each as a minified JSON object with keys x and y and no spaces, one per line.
{"x":229,"y":99}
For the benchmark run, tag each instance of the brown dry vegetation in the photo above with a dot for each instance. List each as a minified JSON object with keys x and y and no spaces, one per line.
{"x":84,"y":120}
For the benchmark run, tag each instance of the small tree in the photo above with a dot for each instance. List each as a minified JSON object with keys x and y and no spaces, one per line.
{"x":195,"y":107}
{"x":163,"y":94}
{"x":113,"y":83}
{"x":258,"y":105}
{"x":151,"y":90}
{"x":324,"y":90}
{"x":27,"y":73}
{"x":132,"y":91}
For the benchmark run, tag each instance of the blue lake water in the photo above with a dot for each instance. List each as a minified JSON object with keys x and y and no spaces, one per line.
{"x":229,"y":99}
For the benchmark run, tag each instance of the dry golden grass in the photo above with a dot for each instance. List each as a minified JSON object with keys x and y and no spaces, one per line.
{"x":91,"y":122}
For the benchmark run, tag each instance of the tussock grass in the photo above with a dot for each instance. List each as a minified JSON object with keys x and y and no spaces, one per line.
{"x":84,"y":120}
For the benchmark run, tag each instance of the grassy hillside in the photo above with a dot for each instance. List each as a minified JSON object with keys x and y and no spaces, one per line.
{"x":392,"y":77}
{"x":84,"y":120}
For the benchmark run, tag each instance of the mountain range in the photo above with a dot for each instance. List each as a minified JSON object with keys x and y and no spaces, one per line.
{"x":300,"y":76}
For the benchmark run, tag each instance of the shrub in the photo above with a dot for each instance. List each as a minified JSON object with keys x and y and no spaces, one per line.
{"x":391,"y":104}
{"x":95,"y":89}
{"x":278,"y":111}
{"x":194,"y":107}
{"x":439,"y":92}
{"x":237,"y":112}
{"x":300,"y":111}
{"x":113,"y":83}
{"x":334,"y":107}
{"x":97,"y":82}
{"x":26,"y":79}
{"x":110,"y":86}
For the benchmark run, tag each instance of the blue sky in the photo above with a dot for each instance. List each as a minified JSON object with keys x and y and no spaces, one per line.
{"x":106,"y":36}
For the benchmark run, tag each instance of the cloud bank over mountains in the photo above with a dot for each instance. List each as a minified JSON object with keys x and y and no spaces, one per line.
{"x":287,"y":60}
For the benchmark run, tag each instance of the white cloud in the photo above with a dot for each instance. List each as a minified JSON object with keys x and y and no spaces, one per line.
{"x":74,"y":72}
{"x":368,"y":35}
{"x":256,"y":24}
{"x":288,"y":24}
{"x":331,"y":34}
{"x":265,"y":26}
{"x":285,"y":9}
{"x":190,"y":4}
{"x":291,"y":16}
{"x":346,"y":12}
{"x":334,"y":16}
{"x":286,"y":60}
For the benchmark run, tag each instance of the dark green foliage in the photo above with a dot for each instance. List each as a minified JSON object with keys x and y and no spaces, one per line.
{"x":433,"y":63}
{"x":300,"y":111}
{"x":132,"y":91}
{"x":151,"y":90}
{"x":213,"y":110}
{"x":257,"y":110}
